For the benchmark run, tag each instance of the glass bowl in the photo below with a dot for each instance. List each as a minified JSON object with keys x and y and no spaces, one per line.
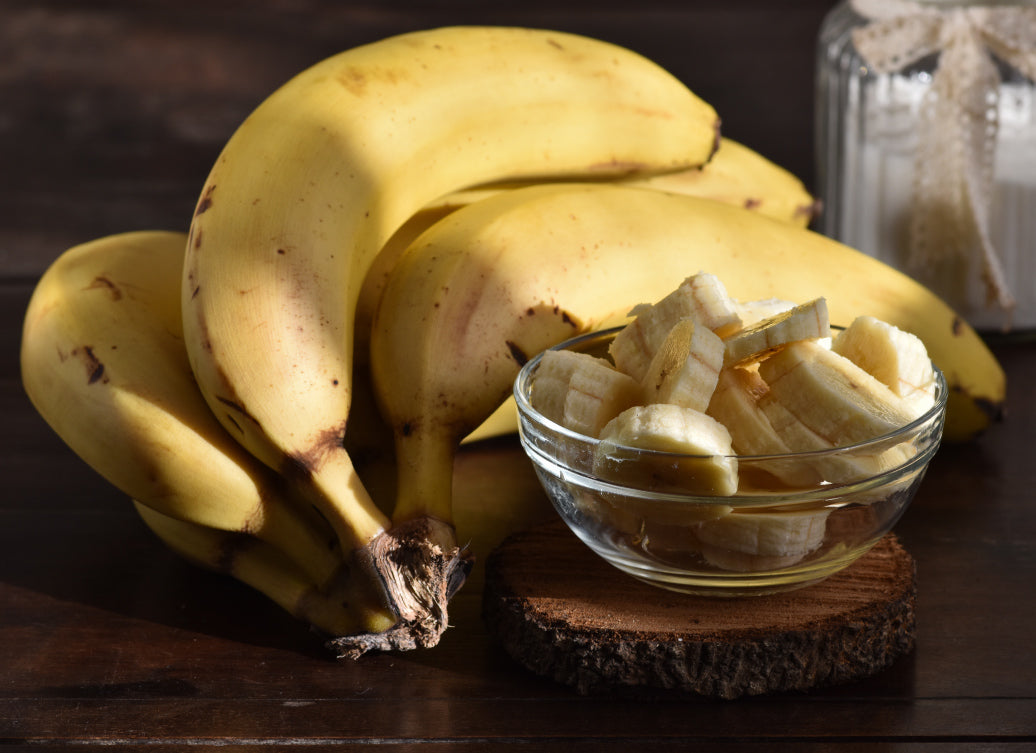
{"x":766,"y":538}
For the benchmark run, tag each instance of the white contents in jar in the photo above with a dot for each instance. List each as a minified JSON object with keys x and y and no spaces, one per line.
{"x":869,"y":126}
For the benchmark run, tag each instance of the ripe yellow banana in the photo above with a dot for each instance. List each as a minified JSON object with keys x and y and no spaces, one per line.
{"x":319,"y":177}
{"x":502,"y":279}
{"x":736,"y":174}
{"x":740,"y":176}
{"x":103,"y":361}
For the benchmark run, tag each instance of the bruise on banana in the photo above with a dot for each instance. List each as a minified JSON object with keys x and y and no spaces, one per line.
{"x":520,"y":354}
{"x":94,"y":367}
{"x":103,"y":283}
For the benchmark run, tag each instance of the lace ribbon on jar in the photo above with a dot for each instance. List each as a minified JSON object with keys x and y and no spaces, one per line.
{"x":958,"y":119}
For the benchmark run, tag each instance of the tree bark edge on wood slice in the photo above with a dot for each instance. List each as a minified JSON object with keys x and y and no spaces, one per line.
{"x":564,"y":613}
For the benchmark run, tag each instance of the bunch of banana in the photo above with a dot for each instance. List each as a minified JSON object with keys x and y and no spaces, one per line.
{"x":500,"y":280}
{"x":317,"y":180}
{"x":223,"y":404}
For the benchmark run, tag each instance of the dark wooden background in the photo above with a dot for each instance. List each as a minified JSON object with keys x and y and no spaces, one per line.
{"x":111,"y":113}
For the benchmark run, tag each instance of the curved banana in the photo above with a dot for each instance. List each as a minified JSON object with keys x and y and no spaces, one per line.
{"x":103,"y":361}
{"x":316,"y":180}
{"x":501,"y":280}
{"x":736,"y":174}
{"x":741,"y":176}
{"x":257,"y":564}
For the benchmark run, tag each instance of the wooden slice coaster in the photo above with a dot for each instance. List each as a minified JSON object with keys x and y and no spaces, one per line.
{"x":564,"y":613}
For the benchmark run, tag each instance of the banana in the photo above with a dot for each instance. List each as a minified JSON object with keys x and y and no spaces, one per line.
{"x":315,"y":182}
{"x":685,"y":368}
{"x":257,"y":564}
{"x":803,"y":322}
{"x":496,"y":282}
{"x":753,"y":312}
{"x":707,"y":465}
{"x":701,"y":297}
{"x":581,"y":392}
{"x":833,"y":468}
{"x":739,"y":176}
{"x":103,"y":361}
{"x":736,"y":174}
{"x":896,"y":358}
{"x":750,"y":541}
{"x":735,"y":404}
{"x":832,"y":396}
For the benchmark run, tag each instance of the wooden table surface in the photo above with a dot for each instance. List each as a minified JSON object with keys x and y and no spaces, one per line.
{"x":110,"y":115}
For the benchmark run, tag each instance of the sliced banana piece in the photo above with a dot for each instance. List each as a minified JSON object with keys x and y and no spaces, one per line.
{"x":581,"y":392}
{"x":740,"y":562}
{"x":834,"y":468}
{"x":766,"y":534}
{"x":685,"y":368}
{"x":752,"y":312}
{"x":831,"y":395}
{"x":701,"y":296}
{"x":701,"y":462}
{"x":754,"y":343}
{"x":735,"y":404}
{"x":893,"y":356}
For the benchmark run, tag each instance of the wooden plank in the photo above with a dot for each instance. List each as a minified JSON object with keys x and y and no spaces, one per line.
{"x":321,"y":720}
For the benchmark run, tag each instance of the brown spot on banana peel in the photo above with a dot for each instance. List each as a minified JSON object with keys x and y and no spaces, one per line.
{"x":205,"y":202}
{"x":103,"y":283}
{"x":992,"y":409}
{"x":618,"y":167}
{"x":94,"y":367}
{"x":237,"y":408}
{"x":809,"y":212}
{"x":519,"y":355}
{"x":302,"y":465}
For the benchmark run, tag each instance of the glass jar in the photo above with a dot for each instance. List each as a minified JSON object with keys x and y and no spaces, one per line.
{"x":867,"y":131}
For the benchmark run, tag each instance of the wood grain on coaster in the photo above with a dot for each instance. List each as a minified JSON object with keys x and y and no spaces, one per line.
{"x":564,"y":613}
